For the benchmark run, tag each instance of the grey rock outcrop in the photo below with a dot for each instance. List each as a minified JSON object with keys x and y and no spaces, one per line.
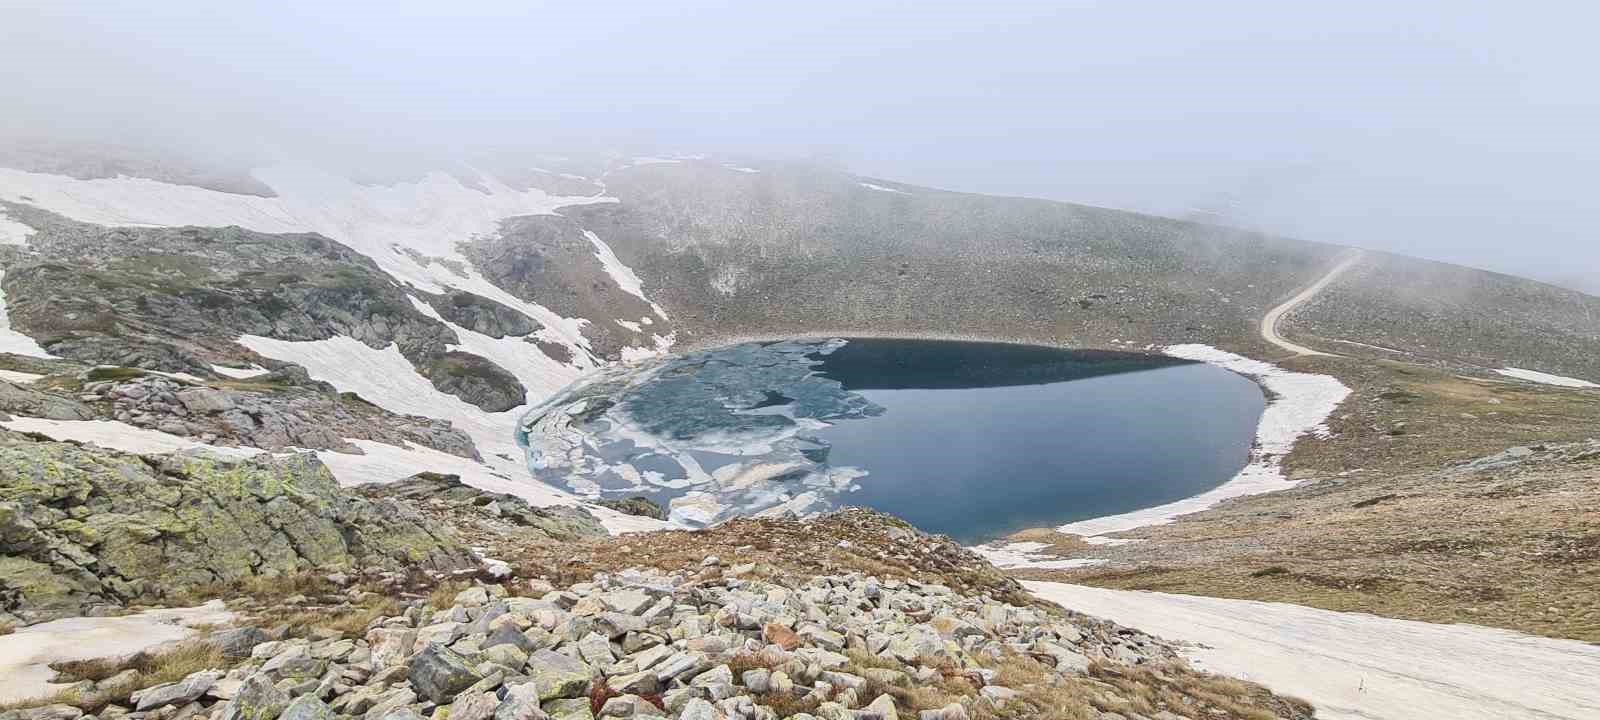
{"x":84,"y":527}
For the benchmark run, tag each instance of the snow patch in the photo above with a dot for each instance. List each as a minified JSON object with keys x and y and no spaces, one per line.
{"x":13,"y":376}
{"x":624,"y":276}
{"x":12,"y":341}
{"x":539,"y":373}
{"x":13,"y":232}
{"x":386,"y":378}
{"x":1017,"y":555}
{"x":26,"y":655}
{"x":1358,"y":666}
{"x":120,"y":436}
{"x":384,"y":463}
{"x":1301,"y":407}
{"x":736,"y":168}
{"x":428,"y":218}
{"x":881,"y":188}
{"x":240,"y":373}
{"x":1545,"y":378}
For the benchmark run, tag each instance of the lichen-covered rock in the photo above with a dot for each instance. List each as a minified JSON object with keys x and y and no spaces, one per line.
{"x":177,"y":693}
{"x":84,"y":527}
{"x":283,"y":409}
{"x":26,"y":401}
{"x":439,"y":673}
{"x":575,"y":709}
{"x":444,"y":498}
{"x":557,"y":676}
{"x":92,"y":293}
{"x":307,"y":707}
{"x":257,"y":699}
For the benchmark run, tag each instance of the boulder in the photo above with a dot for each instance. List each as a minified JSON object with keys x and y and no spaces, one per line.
{"x":307,"y":707}
{"x":555,"y":676}
{"x":257,"y":699}
{"x":182,"y":692}
{"x":438,"y":673}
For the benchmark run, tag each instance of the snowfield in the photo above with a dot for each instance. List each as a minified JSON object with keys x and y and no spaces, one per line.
{"x":406,"y":228}
{"x":1019,"y":555}
{"x":120,"y":436}
{"x":25,"y":655}
{"x":12,"y":341}
{"x":1546,"y":378}
{"x":1362,"y":667}
{"x":411,"y":230}
{"x":1301,"y":406}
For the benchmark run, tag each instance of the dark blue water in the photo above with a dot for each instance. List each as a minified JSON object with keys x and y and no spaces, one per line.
{"x":980,"y":440}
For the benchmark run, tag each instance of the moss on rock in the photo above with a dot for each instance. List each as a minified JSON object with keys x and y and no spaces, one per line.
{"x":84,"y":526}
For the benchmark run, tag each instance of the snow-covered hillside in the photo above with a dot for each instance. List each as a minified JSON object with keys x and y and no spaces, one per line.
{"x":413,"y":231}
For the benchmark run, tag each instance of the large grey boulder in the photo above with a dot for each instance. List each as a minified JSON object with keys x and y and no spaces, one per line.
{"x":182,"y":692}
{"x":521,"y":703}
{"x":307,"y":707}
{"x":257,"y":699}
{"x":557,"y":676}
{"x":236,"y":643}
{"x":439,"y":673}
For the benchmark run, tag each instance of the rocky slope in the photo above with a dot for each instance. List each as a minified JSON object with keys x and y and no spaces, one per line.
{"x":87,"y":530}
{"x":712,"y":639}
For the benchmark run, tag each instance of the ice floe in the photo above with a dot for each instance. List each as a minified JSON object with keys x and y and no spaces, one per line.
{"x":645,"y":429}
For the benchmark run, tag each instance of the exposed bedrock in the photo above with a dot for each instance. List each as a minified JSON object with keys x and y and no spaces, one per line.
{"x":86,"y":528}
{"x":547,"y":259}
{"x":174,"y":299}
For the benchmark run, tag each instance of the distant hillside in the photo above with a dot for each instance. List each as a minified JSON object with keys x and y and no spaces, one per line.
{"x":420,"y":313}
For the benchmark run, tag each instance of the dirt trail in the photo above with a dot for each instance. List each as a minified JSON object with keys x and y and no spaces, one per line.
{"x":1269,"y":322}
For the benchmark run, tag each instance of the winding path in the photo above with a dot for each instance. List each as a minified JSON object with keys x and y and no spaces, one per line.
{"x":1269,"y":322}
{"x":1355,"y":666}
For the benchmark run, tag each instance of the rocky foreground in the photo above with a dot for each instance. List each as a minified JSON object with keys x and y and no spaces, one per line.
{"x":428,"y":598}
{"x":712,"y":643}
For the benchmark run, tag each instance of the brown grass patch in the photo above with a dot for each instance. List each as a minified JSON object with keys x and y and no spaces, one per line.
{"x":745,"y":661}
{"x":152,"y":668}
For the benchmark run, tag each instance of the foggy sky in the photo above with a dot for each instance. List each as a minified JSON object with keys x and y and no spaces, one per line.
{"x":1459,"y":131}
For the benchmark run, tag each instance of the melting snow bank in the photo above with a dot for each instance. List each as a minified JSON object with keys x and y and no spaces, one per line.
{"x":25,"y":655}
{"x":120,"y":436}
{"x":1352,"y":665}
{"x":1301,"y":405}
{"x":12,"y":341}
{"x":1545,"y":378}
{"x":1019,"y":555}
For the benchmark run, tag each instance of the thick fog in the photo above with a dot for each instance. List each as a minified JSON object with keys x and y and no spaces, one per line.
{"x":1454,"y":130}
